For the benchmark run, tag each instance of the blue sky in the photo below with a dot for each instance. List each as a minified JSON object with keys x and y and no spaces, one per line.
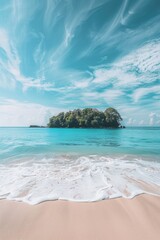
{"x":57,"y":55}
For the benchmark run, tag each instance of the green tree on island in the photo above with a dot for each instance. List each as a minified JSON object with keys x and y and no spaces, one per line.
{"x":87,"y":118}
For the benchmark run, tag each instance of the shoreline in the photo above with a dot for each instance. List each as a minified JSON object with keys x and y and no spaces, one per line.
{"x":119,"y":218}
{"x":77,"y":178}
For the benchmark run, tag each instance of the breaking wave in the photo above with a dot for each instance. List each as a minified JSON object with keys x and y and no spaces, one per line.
{"x":78,"y":178}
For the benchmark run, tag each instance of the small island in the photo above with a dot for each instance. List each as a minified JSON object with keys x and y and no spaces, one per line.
{"x":36,"y":126}
{"x":87,"y":118}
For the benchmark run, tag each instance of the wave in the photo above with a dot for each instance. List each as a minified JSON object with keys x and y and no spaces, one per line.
{"x":78,"y":178}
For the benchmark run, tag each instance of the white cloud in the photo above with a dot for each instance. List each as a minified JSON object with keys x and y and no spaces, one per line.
{"x":142,"y":92}
{"x":51,"y":10}
{"x":15,"y":113}
{"x":141,"y":122}
{"x":112,"y":94}
{"x":114,"y":75}
{"x":109,"y":97}
{"x":136,"y":115}
{"x":154,"y":118}
{"x":100,"y":75}
{"x":76,"y":16}
{"x":39,"y":54}
{"x":107,"y":30}
{"x":81,"y":84}
{"x":130,"y":122}
{"x":22,"y":10}
{"x":138,"y":67}
{"x":138,"y":6}
{"x":145,"y":59}
{"x":119,"y":34}
{"x":10,"y":67}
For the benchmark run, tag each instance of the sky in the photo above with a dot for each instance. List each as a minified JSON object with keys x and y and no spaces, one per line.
{"x":60,"y":55}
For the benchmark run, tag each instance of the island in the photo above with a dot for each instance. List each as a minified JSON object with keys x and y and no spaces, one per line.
{"x":87,"y":118}
{"x":36,"y":126}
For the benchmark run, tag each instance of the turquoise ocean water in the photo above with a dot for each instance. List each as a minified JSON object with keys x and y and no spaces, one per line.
{"x":38,"y":164}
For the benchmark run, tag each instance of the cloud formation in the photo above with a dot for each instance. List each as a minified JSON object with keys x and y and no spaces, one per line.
{"x":15,"y":113}
{"x":76,"y":54}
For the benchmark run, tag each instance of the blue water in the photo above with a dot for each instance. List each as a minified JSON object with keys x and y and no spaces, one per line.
{"x":39,"y":164}
{"x":16,"y":142}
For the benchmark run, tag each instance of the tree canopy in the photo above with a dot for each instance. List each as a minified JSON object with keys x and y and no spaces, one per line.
{"x":87,"y":118}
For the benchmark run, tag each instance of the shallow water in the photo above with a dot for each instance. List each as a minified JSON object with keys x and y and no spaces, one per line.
{"x":38,"y":164}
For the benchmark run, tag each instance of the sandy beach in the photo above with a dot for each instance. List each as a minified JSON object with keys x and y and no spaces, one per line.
{"x":136,"y":219}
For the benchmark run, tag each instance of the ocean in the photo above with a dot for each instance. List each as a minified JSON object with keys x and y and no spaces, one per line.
{"x":39,"y":164}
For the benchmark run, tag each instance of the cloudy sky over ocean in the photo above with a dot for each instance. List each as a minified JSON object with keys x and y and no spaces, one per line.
{"x":57,"y":55}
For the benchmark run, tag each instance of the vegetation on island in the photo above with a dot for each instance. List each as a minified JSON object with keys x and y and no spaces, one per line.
{"x":36,"y":126}
{"x":87,"y":118}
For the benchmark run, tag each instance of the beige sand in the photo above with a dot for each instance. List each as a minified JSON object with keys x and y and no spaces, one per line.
{"x":137,"y":219}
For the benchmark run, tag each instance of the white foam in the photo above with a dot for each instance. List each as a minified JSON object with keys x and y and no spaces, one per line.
{"x":90,"y":178}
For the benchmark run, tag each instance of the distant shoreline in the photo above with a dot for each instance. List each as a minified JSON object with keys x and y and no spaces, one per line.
{"x":80,"y":128}
{"x":36,"y":126}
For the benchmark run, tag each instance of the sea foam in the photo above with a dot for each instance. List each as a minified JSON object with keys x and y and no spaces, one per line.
{"x":83,"y":178}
